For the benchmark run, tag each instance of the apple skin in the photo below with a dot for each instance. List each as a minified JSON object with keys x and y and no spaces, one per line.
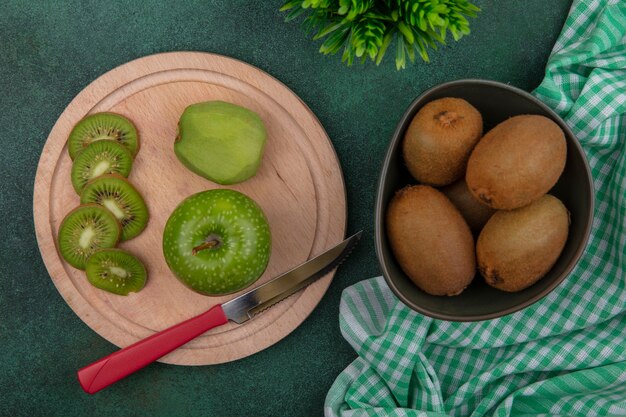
{"x":235,"y":224}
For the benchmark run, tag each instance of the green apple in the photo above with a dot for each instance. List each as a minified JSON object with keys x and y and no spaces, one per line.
{"x":217,"y":242}
{"x":220,"y":141}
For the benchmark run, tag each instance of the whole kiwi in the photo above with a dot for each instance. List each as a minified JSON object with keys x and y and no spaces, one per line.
{"x":430,"y":240}
{"x":517,"y":162}
{"x":439,"y":140}
{"x":517,"y":248}
{"x":473,"y":211}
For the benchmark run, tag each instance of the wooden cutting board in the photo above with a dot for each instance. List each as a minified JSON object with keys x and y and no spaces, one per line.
{"x":299,"y":186}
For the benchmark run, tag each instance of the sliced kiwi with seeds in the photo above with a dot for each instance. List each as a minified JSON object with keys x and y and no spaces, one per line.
{"x":85,"y":230}
{"x":116,"y":194}
{"x":116,"y":271}
{"x":99,"y":158}
{"x":103,"y":126}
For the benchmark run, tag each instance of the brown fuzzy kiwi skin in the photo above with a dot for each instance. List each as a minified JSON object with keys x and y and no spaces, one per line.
{"x":430,"y":240}
{"x":517,"y":248}
{"x":475,"y":213}
{"x":439,"y":140}
{"x":517,"y":162}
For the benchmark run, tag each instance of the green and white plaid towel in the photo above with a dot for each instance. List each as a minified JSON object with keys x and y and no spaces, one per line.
{"x":564,"y":355}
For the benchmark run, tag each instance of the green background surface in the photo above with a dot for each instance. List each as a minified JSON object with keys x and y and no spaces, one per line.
{"x":51,"y":50}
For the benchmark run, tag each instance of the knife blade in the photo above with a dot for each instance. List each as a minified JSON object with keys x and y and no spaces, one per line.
{"x":251,"y":303}
{"x":128,"y":360}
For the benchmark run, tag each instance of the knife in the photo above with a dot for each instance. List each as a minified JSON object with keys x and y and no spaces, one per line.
{"x":124,"y":362}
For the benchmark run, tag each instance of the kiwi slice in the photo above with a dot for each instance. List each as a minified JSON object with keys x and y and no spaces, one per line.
{"x":119,"y":196}
{"x":103,"y":126}
{"x":85,"y":230}
{"x":99,"y":158}
{"x":116,"y":271}
{"x":122,"y":199}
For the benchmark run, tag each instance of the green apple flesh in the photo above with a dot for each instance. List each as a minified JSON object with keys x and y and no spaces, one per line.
{"x":217,"y":242}
{"x":220,"y":141}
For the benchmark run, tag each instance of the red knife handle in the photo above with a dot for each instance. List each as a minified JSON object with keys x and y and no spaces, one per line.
{"x":124,"y":362}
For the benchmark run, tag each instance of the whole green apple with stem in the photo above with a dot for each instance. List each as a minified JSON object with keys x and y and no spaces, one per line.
{"x":217,"y":242}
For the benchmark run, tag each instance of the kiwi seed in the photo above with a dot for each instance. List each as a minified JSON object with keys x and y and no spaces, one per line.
{"x":99,"y":158}
{"x":122,"y":199}
{"x":103,"y":126}
{"x":84,"y":230}
{"x":116,"y":271}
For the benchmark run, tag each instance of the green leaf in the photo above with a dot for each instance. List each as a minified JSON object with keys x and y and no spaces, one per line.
{"x":422,"y":24}
{"x":441,"y":9}
{"x":344,"y":4}
{"x":328,"y":29}
{"x":422,"y":50}
{"x":290,"y":5}
{"x":410,"y":52}
{"x":366,"y":29}
{"x":294,"y":13}
{"x":462,"y":21}
{"x":359,"y":50}
{"x":429,"y":39}
{"x":371,"y":52}
{"x":333,"y":43}
{"x":436,"y":20}
{"x":315,"y":21}
{"x":383,"y":47}
{"x":443,"y":34}
{"x":348,"y":53}
{"x":456,"y":35}
{"x":400,"y":57}
{"x":406,"y":32}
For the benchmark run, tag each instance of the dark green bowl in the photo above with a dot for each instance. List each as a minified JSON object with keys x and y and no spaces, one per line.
{"x":496,"y":102}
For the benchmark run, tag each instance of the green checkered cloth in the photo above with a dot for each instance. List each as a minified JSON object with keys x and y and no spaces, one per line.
{"x":566,"y":354}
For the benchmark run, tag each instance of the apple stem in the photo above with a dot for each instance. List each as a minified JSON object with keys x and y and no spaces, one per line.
{"x":205,"y":245}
